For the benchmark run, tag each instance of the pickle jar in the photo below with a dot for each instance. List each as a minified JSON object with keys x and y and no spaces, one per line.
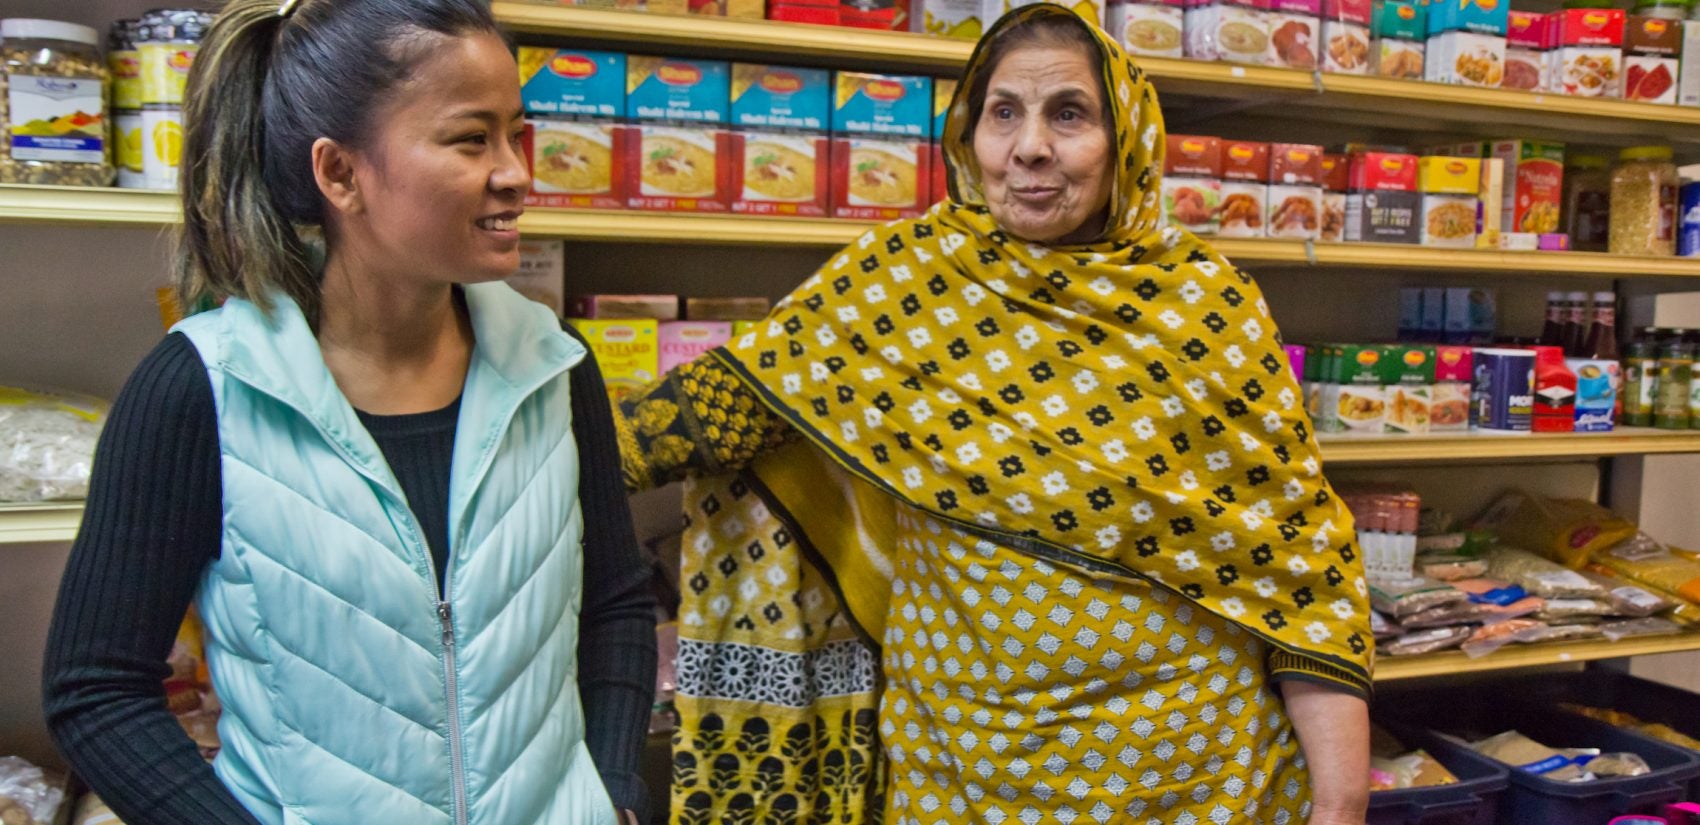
{"x":1643,"y":202}
{"x":53,"y":119}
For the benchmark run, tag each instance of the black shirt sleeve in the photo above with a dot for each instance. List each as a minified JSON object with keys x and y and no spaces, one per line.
{"x":616,"y":649}
{"x":153,"y":522}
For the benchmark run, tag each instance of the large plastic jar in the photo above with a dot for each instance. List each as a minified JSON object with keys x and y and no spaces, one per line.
{"x":1643,"y":202}
{"x":1587,"y":202}
{"x":53,"y":123}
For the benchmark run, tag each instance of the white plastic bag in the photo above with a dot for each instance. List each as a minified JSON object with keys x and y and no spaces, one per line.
{"x":25,"y":791}
{"x":47,"y":444}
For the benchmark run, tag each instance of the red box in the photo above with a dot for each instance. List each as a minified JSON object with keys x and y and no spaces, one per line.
{"x":1348,"y":11}
{"x":1383,"y":171}
{"x":1295,"y":163}
{"x":868,"y":14}
{"x":1589,"y":27}
{"x":1526,"y":29}
{"x":668,"y":153}
{"x":777,"y":159}
{"x":1554,"y":391}
{"x":1652,"y":36}
{"x":870,"y":181}
{"x":1336,"y":172}
{"x":1245,"y":160}
{"x":612,"y":136}
{"x":804,"y":13}
{"x":941,"y":174}
{"x":1193,"y":155}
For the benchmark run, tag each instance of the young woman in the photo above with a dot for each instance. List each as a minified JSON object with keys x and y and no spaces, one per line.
{"x":387,"y":481}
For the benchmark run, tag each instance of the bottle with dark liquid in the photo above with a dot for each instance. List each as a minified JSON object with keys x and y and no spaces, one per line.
{"x":1552,"y":333}
{"x":1602,"y":333}
{"x":1575,"y":323}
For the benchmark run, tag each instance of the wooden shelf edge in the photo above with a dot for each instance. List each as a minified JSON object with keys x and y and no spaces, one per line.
{"x":1337,"y":450}
{"x":28,"y":523}
{"x":1510,"y":100}
{"x":1516,"y":656}
{"x":87,"y":206}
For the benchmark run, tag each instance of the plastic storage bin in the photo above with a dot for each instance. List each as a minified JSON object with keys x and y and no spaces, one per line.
{"x":1474,"y":800}
{"x":1532,"y":800}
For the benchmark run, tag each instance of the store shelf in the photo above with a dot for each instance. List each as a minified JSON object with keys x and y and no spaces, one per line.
{"x":86,"y":206}
{"x":1368,"y":98}
{"x":679,"y":227}
{"x":1343,"y":448}
{"x":23,"y":523}
{"x":1512,"y":657}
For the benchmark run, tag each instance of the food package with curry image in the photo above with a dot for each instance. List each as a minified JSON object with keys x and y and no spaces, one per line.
{"x":1651,"y":62}
{"x":1454,"y":369}
{"x":626,"y":352}
{"x":575,"y":142}
{"x":1295,"y":34}
{"x":1589,"y":61}
{"x":881,"y":153}
{"x":1294,"y":208}
{"x":1526,"y":43}
{"x":1245,"y":187}
{"x":1150,"y":28}
{"x":1533,"y":184}
{"x":679,"y":155}
{"x":1465,"y":58}
{"x":1192,"y":184}
{"x":1336,"y":179}
{"x":1400,"y":31}
{"x":1408,"y":379}
{"x":1345,"y":36}
{"x":1236,"y":31}
{"x":1449,"y":186}
{"x":960,"y":19}
{"x":780,"y":160}
{"x":1354,"y":398}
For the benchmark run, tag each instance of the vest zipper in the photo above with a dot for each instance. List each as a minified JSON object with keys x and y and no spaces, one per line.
{"x":457,"y":766}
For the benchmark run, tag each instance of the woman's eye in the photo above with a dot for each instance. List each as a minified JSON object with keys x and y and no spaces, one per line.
{"x":1068,"y":115}
{"x":1003,"y":113}
{"x":477,"y":139}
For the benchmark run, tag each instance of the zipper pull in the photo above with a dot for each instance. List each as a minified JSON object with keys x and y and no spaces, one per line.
{"x":445,"y":615}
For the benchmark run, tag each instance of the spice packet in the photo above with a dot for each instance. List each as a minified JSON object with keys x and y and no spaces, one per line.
{"x":1426,"y":641}
{"x":1405,"y":597}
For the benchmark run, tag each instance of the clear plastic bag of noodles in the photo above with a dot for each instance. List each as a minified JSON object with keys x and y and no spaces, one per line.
{"x":47,"y":442}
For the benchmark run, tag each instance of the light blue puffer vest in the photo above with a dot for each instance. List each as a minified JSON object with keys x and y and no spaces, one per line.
{"x":350,"y":694}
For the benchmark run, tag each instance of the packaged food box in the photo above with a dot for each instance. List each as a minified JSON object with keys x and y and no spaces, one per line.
{"x":1318,"y":360}
{"x":574,"y":142}
{"x":1453,"y":372}
{"x":542,"y":274}
{"x":1408,"y":387}
{"x":1295,"y":191}
{"x":871,"y":14}
{"x":1503,"y":390}
{"x":680,"y":155}
{"x":1651,"y":64}
{"x":1148,"y":28}
{"x":1471,"y":315}
{"x":1490,"y":203}
{"x":1355,"y":396}
{"x":1533,"y":183}
{"x":1480,"y":16}
{"x":1192,"y":185}
{"x":1554,"y":394}
{"x":1597,"y":384}
{"x":1346,"y":36}
{"x":1525,"y":52}
{"x":614,"y":307}
{"x":753,"y":308}
{"x":944,"y":90}
{"x":962,"y":19}
{"x":1434,"y":313}
{"x":680,"y":342}
{"x":1588,"y":58}
{"x":816,"y":12}
{"x":1295,"y":34}
{"x":780,"y":151}
{"x":1295,"y":360}
{"x":1688,"y":85}
{"x":1336,"y":179}
{"x":1449,"y":186}
{"x":1245,"y":187}
{"x":1236,"y":31}
{"x":1382,"y":203}
{"x":1410,"y":313}
{"x":1466,"y":58}
{"x":1400,"y":29}
{"x":881,"y":146}
{"x":625,"y":350}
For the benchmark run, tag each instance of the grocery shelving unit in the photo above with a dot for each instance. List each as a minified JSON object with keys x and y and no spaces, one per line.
{"x":1454,"y":662}
{"x":33,"y":523}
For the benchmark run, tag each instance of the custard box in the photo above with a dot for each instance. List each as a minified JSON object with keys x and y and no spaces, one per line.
{"x":679,"y":157}
{"x":881,"y":146}
{"x":780,"y":152}
{"x":680,"y":342}
{"x":575,"y":140}
{"x":625,"y":350}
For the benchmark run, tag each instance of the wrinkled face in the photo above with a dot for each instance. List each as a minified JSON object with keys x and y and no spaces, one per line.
{"x":1043,"y":147}
{"x":442,"y":180}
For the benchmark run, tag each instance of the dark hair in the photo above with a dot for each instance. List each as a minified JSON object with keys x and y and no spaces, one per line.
{"x":1063,"y":30}
{"x":268,"y":81}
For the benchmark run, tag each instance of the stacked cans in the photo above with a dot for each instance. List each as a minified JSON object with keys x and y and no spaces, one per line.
{"x":150,"y":59}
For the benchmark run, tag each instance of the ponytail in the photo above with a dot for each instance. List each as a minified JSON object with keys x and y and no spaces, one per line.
{"x":268,"y":82}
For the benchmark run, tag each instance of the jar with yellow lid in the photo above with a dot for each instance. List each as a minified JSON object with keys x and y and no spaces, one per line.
{"x":1643,"y":202}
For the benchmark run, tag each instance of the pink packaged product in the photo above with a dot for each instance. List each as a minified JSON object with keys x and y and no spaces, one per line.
{"x":680,"y":342}
{"x":1527,"y":39}
{"x":1295,"y":33}
{"x":1454,"y":369}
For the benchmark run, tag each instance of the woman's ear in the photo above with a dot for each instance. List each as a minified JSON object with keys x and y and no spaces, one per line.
{"x":333,"y":170}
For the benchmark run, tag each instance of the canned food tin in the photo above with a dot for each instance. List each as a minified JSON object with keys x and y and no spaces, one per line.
{"x":124,"y":64}
{"x":167,"y":41}
{"x":1504,"y":389}
{"x":162,"y":146}
{"x":127,"y":148}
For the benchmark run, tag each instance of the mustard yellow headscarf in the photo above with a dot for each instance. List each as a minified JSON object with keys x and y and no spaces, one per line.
{"x":1123,"y":407}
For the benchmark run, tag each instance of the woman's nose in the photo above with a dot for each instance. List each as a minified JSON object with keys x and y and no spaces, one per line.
{"x":1033,"y":143}
{"x":511,"y":172}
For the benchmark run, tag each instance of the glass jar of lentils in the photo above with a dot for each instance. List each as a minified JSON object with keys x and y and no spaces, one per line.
{"x":53,"y":120}
{"x":1643,"y":202}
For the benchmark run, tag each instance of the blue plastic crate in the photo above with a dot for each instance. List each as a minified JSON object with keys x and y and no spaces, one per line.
{"x":1474,"y":800}
{"x":1645,"y":700}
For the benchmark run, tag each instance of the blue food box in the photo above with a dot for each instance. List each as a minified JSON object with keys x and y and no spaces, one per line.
{"x":1688,"y":229}
{"x":1482,"y":16}
{"x":781,"y":97}
{"x":676,"y":89}
{"x":880,"y":104}
{"x":572,"y":82}
{"x":1503,"y":394}
{"x":1597,"y":382}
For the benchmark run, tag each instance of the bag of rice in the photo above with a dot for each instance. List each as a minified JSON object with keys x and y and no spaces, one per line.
{"x":47,"y":444}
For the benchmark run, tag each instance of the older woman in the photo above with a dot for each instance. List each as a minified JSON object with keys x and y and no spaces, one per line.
{"x":1012,"y":512}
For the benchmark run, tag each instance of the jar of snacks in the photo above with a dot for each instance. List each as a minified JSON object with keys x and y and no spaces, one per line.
{"x":53,"y":127}
{"x":1643,"y":202}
